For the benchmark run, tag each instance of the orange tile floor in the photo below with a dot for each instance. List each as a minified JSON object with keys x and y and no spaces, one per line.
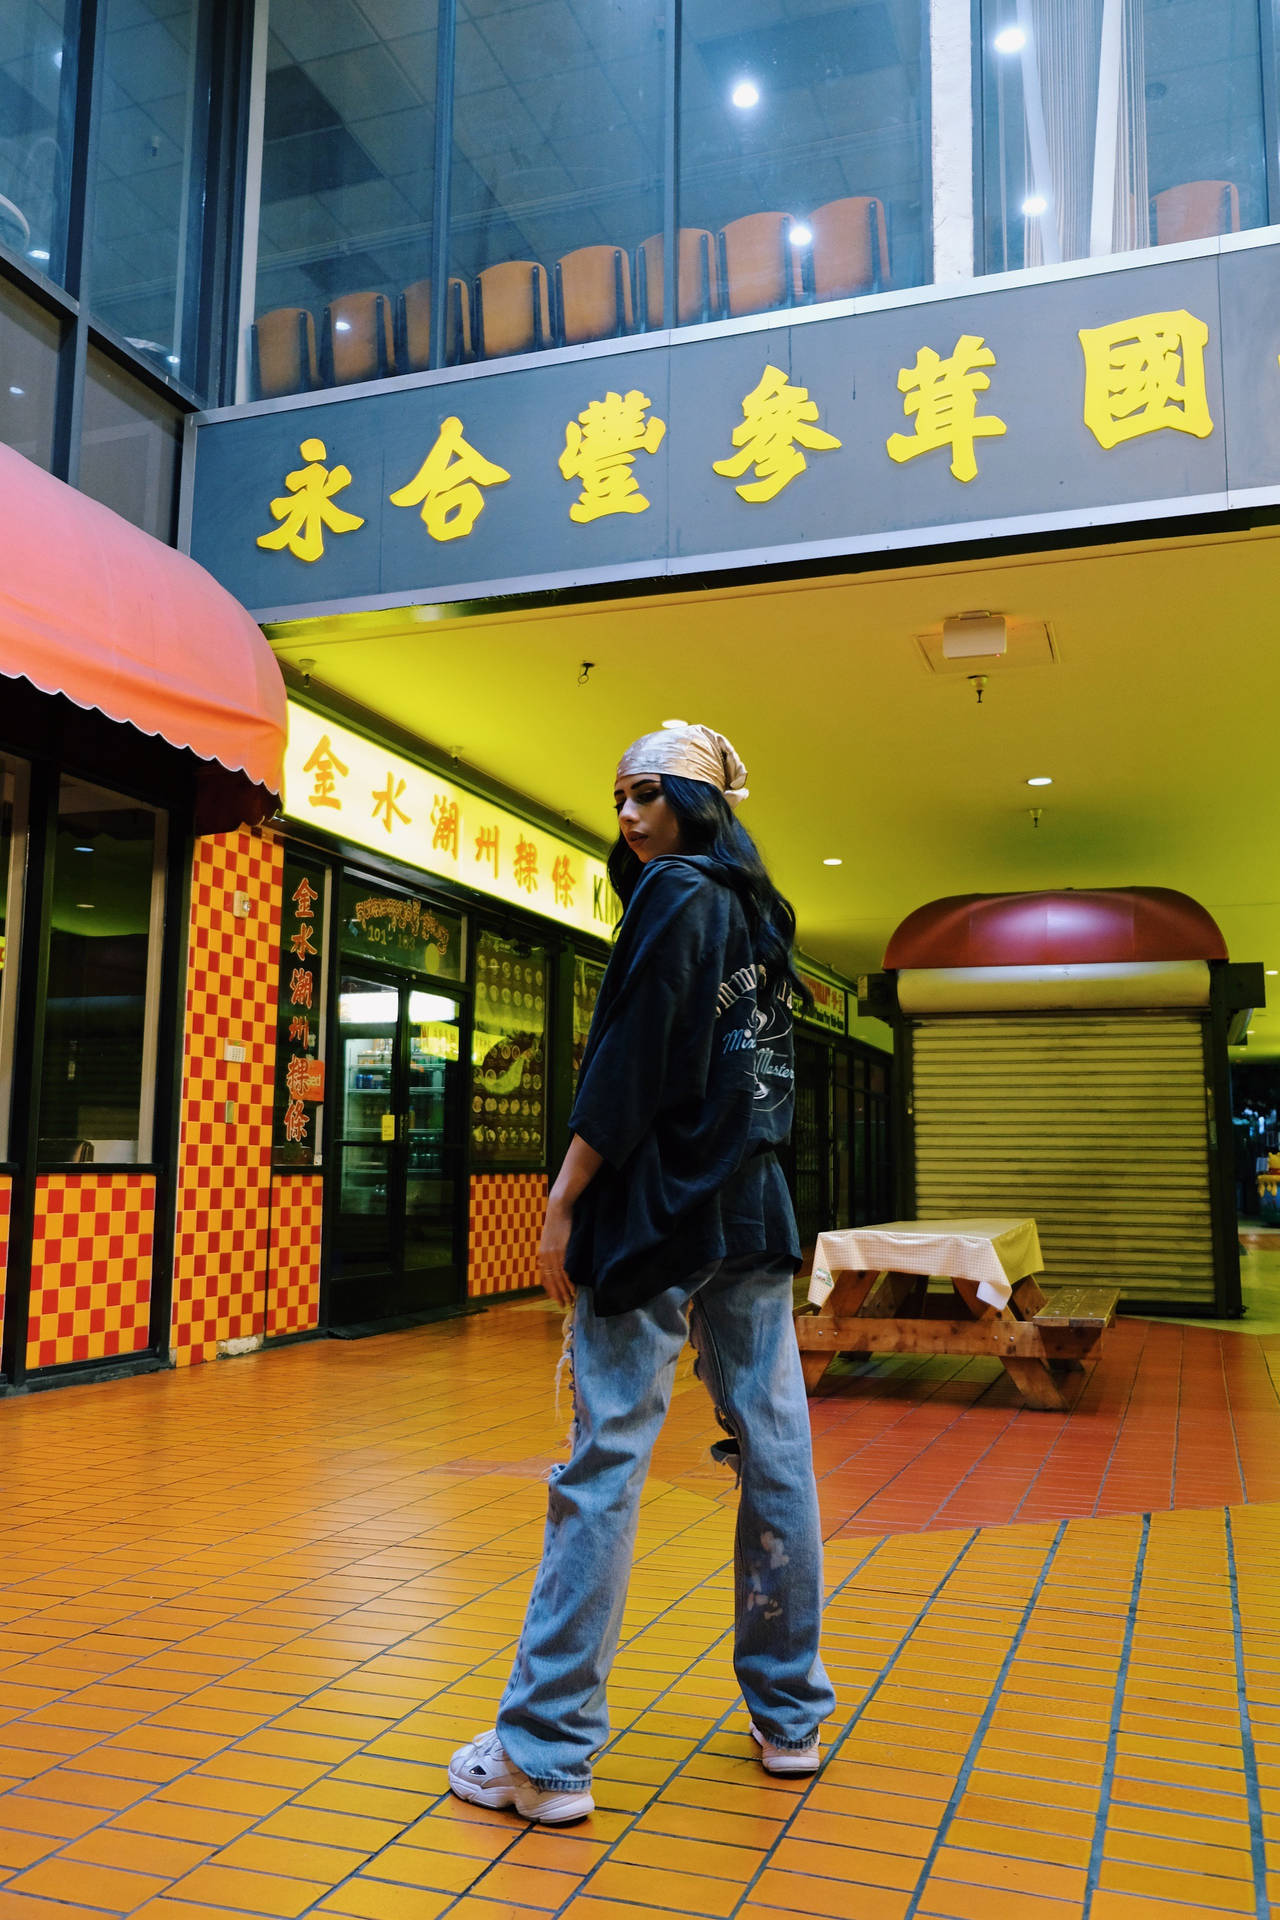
{"x":246,"y":1613}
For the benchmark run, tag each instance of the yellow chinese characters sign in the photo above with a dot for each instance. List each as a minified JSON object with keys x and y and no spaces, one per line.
{"x":377,"y":799}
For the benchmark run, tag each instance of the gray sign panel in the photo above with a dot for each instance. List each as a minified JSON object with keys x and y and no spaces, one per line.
{"x":1015,"y":408}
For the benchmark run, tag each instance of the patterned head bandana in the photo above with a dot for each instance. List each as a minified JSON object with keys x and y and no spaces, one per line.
{"x":691,"y":753}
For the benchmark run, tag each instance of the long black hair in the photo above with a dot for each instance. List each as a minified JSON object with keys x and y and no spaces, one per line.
{"x":708,"y":826}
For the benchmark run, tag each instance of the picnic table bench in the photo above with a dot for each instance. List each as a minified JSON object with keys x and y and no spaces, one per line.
{"x":870,"y":1286}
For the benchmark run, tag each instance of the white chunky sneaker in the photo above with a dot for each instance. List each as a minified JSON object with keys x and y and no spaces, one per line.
{"x":787,"y":1759}
{"x":481,"y":1772}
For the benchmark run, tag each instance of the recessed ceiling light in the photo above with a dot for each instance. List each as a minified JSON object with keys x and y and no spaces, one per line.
{"x":1273,"y":970}
{"x":342,"y":326}
{"x":746,"y":94}
{"x":38,"y":253}
{"x":173,"y":359}
{"x":833,"y":863}
{"x":673,"y":723}
{"x":82,"y":849}
{"x":17,"y":392}
{"x":800,"y":234}
{"x":1040,"y":780}
{"x":1010,"y":40}
{"x":1035,"y":203}
{"x":84,"y":906}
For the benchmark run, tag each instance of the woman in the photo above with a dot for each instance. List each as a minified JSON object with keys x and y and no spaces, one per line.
{"x":670,"y":1219}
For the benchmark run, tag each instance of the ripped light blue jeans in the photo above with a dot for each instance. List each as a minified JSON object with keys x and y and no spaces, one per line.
{"x":553,"y":1717}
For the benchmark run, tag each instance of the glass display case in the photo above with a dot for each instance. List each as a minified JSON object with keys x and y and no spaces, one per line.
{"x":587,"y":978}
{"x":509,"y":1055}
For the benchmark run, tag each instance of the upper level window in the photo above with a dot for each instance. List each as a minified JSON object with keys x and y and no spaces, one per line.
{"x":131,"y":446}
{"x":801,"y":145}
{"x":343,"y":287}
{"x":1117,"y":124}
{"x":148,"y":187}
{"x":556,"y":224}
{"x":30,"y":338}
{"x":37,"y":86}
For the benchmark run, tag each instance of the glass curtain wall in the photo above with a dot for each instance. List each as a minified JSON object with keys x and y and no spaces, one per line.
{"x":1118,"y":124}
{"x":30,"y":337}
{"x":343,"y":289}
{"x":557,"y":168}
{"x":801,"y":148}
{"x":143,"y":272}
{"x":37,"y":88}
{"x":802,"y":134}
{"x":114,"y":236}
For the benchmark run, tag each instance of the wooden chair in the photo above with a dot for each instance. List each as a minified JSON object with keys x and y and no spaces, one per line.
{"x":356,"y":340}
{"x":282,"y":349}
{"x":1196,"y":210}
{"x":413,"y":326}
{"x":849,"y":252}
{"x":592,"y":295}
{"x":758,"y":269}
{"x":510,"y":309}
{"x":697,"y":281}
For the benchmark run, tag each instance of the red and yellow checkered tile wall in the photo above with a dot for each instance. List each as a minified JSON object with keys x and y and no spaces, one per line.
{"x":293,"y":1287}
{"x":506,"y":1222}
{"x":224,"y":1167}
{"x":90,"y":1267}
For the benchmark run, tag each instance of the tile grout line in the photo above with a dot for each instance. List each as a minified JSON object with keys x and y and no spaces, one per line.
{"x":1249,"y":1755}
{"x":869,"y":1695}
{"x":980,"y":1731}
{"x":1120,"y":1422}
{"x":1235,"y":1436}
{"x":519,"y":1833}
{"x":1113,"y":1731}
{"x":710,"y":1734}
{"x":299,"y":1703}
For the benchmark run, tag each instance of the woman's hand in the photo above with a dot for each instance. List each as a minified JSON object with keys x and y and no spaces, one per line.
{"x":552,"y":1248}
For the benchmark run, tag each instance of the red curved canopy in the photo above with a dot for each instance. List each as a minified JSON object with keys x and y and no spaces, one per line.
{"x":93,"y":608}
{"x":1056,"y":929}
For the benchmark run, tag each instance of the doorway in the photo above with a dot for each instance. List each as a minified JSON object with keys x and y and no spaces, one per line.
{"x":399,"y":1151}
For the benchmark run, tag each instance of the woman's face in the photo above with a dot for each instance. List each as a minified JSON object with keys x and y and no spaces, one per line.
{"x":646,"y":819}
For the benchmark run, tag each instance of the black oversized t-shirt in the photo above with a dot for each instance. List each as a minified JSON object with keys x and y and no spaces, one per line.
{"x":687,"y":1084}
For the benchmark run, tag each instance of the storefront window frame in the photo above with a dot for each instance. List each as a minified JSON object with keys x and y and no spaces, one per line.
{"x":14,"y":883}
{"x":145,"y":1157}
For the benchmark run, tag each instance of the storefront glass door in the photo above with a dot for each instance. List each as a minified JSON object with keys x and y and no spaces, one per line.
{"x":399,"y":1151}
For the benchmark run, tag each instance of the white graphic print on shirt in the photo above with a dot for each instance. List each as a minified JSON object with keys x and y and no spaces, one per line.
{"x":758,"y":1022}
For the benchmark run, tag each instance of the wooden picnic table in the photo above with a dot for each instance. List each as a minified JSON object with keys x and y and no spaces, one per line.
{"x":870,"y":1286}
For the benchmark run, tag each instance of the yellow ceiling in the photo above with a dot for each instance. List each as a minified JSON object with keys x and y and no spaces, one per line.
{"x":1158,"y":725}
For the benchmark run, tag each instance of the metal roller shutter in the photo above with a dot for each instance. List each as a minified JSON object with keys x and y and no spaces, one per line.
{"x":1096,"y":1125}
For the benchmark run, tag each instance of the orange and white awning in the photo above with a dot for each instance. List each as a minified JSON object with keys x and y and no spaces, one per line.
{"x":94,"y":609}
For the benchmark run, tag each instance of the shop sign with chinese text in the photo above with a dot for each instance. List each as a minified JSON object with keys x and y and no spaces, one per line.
{"x":374,"y":924}
{"x":828,"y":1009}
{"x":299,"y":1088}
{"x":1021,"y":404}
{"x":367,"y":794}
